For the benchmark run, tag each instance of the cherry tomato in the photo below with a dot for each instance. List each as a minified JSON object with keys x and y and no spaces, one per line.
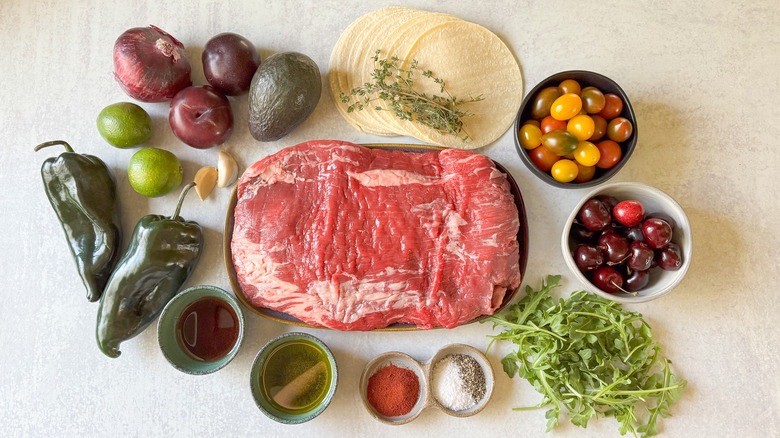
{"x":543,"y":158}
{"x":544,"y":101}
{"x":600,"y":128}
{"x":530,"y":136}
{"x":613,"y":106}
{"x":564,"y":170}
{"x":585,"y":173}
{"x":533,"y":122}
{"x":566,"y":106}
{"x":569,"y":86}
{"x":560,"y":142}
{"x":581,"y":126}
{"x":593,"y":100}
{"x":610,"y":154}
{"x":550,"y":124}
{"x":619,"y":129}
{"x":587,"y":154}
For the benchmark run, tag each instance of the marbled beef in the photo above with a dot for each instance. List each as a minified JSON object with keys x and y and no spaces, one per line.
{"x":353,"y":238}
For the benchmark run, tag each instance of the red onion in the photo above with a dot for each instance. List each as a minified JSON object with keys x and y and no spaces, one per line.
{"x":150,"y":65}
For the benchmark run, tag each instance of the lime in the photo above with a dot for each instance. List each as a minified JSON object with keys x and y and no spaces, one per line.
{"x":124,"y":125}
{"x":154,"y":172}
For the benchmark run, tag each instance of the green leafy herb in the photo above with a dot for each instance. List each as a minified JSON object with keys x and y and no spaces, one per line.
{"x":587,"y":356}
{"x":395,"y":86}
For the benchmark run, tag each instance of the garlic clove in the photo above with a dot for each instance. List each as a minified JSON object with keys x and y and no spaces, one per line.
{"x":205,"y":180}
{"x":227,"y":169}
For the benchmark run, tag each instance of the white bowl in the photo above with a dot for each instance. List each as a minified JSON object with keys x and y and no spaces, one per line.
{"x":654,"y":201}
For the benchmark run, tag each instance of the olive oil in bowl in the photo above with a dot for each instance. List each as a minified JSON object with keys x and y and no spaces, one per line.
{"x":293,"y":378}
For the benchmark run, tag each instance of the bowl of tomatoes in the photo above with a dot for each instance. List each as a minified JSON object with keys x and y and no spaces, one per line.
{"x":575,"y":129}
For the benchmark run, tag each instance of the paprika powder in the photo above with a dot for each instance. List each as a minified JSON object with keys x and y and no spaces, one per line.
{"x":393,"y":391}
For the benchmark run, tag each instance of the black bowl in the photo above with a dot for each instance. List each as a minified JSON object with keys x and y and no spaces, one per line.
{"x":585,"y":78}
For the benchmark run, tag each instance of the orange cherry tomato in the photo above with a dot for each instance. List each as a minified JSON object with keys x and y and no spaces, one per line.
{"x":566,"y":106}
{"x":564,"y":170}
{"x":550,"y":124}
{"x":585,"y":173}
{"x":582,"y":126}
{"x":610,"y":154}
{"x":613,"y":106}
{"x":530,"y":136}
{"x":569,"y":86}
{"x":543,"y":158}
{"x":587,"y":154}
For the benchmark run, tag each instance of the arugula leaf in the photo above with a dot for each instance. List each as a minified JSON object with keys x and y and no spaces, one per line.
{"x":587,"y":356}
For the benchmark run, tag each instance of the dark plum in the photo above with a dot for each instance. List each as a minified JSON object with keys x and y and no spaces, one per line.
{"x":664,"y":216}
{"x":634,"y":234}
{"x":640,"y":257}
{"x":637,"y":280}
{"x":658,"y":232}
{"x":615,"y":247}
{"x":610,"y":201}
{"x":670,"y":257}
{"x":229,"y":62}
{"x":200,"y":116}
{"x":608,"y":279}
{"x":595,"y":215}
{"x":588,"y":258}
{"x":580,"y":234}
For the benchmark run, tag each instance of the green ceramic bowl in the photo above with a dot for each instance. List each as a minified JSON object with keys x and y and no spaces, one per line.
{"x":168,"y":339}
{"x":262,"y":360}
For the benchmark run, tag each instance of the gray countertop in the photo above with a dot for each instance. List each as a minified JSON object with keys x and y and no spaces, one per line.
{"x":702,"y":80}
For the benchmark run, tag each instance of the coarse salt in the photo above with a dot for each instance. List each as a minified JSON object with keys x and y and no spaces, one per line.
{"x":450,"y":388}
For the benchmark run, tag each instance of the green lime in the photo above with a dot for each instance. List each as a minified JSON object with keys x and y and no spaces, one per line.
{"x":124,"y":125}
{"x":154,"y":172}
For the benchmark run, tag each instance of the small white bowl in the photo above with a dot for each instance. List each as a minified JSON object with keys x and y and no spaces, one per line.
{"x":654,"y":201}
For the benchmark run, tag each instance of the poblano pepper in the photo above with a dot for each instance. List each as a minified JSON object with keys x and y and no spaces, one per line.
{"x":162,"y":254}
{"x":82,"y":191}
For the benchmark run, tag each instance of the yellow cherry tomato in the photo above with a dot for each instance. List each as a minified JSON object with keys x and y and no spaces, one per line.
{"x":530,"y":136}
{"x":582,"y":126}
{"x":585,"y":173}
{"x":566,"y":106}
{"x":564,"y":170}
{"x":587,"y":153}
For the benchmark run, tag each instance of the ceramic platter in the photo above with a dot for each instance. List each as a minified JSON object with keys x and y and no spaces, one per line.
{"x":522,"y":238}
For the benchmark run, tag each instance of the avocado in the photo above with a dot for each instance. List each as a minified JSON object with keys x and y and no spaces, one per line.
{"x":284,"y":92}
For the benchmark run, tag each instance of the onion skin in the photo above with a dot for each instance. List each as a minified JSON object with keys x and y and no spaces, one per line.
{"x":150,"y":65}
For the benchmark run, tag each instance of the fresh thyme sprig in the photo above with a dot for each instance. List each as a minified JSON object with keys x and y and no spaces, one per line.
{"x":395,"y":86}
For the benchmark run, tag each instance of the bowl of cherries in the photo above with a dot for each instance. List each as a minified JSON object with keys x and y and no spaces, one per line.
{"x":630,"y":242}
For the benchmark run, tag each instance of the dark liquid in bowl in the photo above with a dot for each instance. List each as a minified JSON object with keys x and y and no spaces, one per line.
{"x":207,"y":329}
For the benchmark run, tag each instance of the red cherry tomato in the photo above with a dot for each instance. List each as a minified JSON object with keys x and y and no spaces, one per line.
{"x":610,"y":154}
{"x":619,"y":129}
{"x":551,"y":124}
{"x":599,"y":128}
{"x":543,"y":158}
{"x":613,"y":106}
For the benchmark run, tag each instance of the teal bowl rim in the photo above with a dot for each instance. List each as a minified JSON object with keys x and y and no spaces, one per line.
{"x":254,"y":376}
{"x":185,"y":296}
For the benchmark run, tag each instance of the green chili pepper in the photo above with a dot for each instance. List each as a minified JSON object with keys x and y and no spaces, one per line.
{"x":82,"y":191}
{"x":162,"y":254}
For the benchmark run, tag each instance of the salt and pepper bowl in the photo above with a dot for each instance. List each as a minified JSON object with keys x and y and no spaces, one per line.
{"x":425,"y":374}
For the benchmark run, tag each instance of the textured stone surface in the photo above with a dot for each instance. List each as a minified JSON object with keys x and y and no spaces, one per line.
{"x":700,"y":77}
